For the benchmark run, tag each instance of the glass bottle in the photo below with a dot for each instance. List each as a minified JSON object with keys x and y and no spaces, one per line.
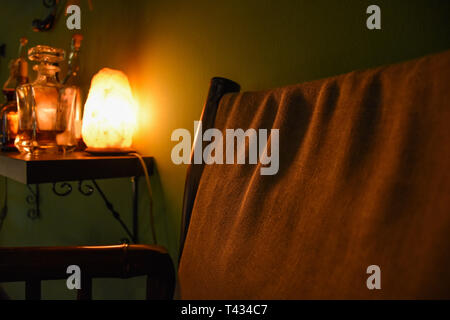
{"x":71,"y":94}
{"x":8,"y":114}
{"x":73,"y":73}
{"x":42,"y":116}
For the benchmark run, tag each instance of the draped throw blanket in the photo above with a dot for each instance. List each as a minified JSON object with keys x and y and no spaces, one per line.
{"x":364,"y":179}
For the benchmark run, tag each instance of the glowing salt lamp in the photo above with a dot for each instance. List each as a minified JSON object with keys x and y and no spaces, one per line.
{"x":109,"y":118}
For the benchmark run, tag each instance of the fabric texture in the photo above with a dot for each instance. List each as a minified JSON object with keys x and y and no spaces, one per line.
{"x":364,"y":179}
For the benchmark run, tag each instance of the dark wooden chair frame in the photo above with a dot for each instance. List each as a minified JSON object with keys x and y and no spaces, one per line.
{"x":34,"y":264}
{"x":217,"y":89}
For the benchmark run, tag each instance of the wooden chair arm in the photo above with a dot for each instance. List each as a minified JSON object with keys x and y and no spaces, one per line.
{"x":33,"y":264}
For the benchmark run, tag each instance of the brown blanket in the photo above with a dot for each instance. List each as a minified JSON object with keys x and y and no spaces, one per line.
{"x":364,"y":179}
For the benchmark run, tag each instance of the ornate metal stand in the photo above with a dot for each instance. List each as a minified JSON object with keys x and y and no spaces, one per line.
{"x":115,"y":214}
{"x":63,"y":189}
{"x":33,"y":199}
{"x":47,"y":23}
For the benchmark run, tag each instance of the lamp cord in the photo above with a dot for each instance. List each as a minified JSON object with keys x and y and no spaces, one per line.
{"x":4,"y":210}
{"x":115,"y":214}
{"x":150,"y":196}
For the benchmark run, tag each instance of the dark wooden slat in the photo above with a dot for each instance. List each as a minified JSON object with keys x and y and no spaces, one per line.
{"x":32,"y":264}
{"x":85,"y":293}
{"x":217,"y":89}
{"x":33,"y":290}
{"x":50,"y":263}
{"x":71,"y":167}
{"x":158,"y":288}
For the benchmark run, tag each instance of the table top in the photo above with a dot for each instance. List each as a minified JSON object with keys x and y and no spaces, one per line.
{"x":74,"y":166}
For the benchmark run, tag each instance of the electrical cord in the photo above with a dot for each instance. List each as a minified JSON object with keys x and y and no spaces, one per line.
{"x":147,"y":180}
{"x":4,"y":210}
{"x":115,"y":214}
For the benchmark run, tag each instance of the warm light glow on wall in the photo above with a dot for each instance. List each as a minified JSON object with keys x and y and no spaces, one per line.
{"x":109,"y":119}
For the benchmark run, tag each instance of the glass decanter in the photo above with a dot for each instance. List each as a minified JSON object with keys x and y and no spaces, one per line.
{"x":43,"y":114}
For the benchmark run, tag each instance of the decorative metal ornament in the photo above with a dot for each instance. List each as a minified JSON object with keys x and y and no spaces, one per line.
{"x":46,"y":24}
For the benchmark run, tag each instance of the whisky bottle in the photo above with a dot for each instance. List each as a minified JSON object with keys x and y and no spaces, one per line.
{"x":71,"y":94}
{"x":8,"y":112}
{"x":73,"y":73}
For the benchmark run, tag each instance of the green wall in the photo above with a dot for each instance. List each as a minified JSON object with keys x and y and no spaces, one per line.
{"x":110,"y":34}
{"x":170,"y":50}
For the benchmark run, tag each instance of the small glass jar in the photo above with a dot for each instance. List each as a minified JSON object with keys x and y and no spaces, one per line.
{"x":45,"y":108}
{"x":71,"y":102}
{"x":9,"y":121}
